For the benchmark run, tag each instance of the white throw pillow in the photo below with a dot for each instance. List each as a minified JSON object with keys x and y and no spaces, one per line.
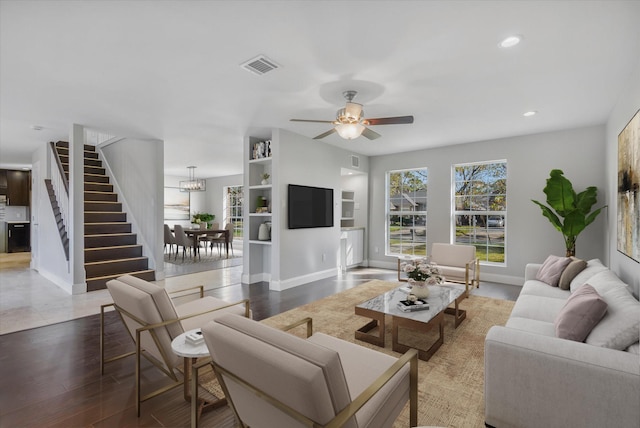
{"x":594,"y":266}
{"x":605,"y":281}
{"x":620,"y":327}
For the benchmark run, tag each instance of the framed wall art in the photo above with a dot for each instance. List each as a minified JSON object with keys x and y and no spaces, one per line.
{"x":629,"y":189}
{"x":176,"y":204}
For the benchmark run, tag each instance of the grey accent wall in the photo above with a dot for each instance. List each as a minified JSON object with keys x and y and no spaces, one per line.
{"x":530,"y":236}
{"x":626,"y":107}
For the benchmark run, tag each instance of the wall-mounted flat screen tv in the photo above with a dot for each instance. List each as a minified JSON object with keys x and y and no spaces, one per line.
{"x":310,"y":207}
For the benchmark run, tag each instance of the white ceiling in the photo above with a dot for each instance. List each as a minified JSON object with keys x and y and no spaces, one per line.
{"x":171,"y":70}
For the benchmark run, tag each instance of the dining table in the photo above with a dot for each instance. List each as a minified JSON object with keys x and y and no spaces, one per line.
{"x":197,"y":233}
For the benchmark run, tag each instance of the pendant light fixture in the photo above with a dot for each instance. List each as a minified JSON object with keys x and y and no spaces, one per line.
{"x":193,"y":184}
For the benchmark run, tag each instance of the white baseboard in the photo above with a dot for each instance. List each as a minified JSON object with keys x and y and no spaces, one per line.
{"x":62,"y":283}
{"x":256,"y":277}
{"x":300,"y":280}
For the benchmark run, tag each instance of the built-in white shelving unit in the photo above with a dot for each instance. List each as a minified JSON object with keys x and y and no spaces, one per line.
{"x":259,"y":155}
{"x":347,"y":218}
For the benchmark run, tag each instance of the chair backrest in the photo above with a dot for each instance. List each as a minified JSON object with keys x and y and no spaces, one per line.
{"x":215,"y":226}
{"x":168,"y":236}
{"x":305,"y":376}
{"x":452,"y":255}
{"x":141,"y":303}
{"x":181,"y":238}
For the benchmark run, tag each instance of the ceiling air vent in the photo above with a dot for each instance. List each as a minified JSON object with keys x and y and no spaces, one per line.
{"x":355,"y":161}
{"x":260,"y":65}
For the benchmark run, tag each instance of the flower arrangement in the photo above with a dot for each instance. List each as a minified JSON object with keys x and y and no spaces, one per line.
{"x":198,"y":218}
{"x":423,"y":271}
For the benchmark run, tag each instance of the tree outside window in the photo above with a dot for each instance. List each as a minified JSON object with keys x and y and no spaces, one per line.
{"x":407,"y":212}
{"x":480,"y":208}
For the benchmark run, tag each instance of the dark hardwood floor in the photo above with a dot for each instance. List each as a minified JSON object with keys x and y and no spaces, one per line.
{"x":50,"y":376}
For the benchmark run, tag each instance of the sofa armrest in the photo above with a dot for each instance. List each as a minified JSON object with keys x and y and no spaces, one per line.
{"x":530,"y":271}
{"x":533,"y":380}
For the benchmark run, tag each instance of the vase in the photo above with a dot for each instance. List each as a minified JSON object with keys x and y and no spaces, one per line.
{"x":264,"y":182}
{"x":420,"y":290}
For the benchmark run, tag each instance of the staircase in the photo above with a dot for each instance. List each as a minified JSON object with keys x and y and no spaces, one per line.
{"x":110,"y":249}
{"x":64,"y":238}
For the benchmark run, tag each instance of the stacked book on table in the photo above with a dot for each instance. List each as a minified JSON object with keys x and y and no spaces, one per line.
{"x":411,"y":306}
{"x":194,"y":338}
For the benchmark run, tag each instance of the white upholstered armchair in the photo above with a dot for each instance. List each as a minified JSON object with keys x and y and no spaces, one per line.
{"x":275,"y":379}
{"x":458,"y":263}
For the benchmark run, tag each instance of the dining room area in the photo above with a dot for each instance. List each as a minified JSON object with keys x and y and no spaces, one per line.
{"x":203,"y":226}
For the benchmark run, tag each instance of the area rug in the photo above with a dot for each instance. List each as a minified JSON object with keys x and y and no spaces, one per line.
{"x":451,"y":383}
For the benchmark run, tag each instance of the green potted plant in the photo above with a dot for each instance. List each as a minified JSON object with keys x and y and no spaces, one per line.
{"x":203,"y":218}
{"x":574,"y":209}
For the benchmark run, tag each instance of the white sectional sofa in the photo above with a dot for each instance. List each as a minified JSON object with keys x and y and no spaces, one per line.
{"x":535,"y":379}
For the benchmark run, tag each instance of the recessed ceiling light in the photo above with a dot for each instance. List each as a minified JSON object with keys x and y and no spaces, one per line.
{"x":511,"y":41}
{"x":530,"y":113}
{"x":36,"y":127}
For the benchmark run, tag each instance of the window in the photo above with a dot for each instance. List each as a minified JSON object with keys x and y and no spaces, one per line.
{"x":407,"y":212}
{"x":480,"y":208}
{"x":233,"y":209}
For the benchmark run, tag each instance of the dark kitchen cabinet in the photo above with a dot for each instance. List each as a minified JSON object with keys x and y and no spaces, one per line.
{"x":18,"y":188}
{"x":18,"y":237}
{"x":3,"y":181}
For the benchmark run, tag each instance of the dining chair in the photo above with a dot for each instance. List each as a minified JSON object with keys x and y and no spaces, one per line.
{"x":182,"y":240}
{"x":169,"y":239}
{"x":153,"y":321}
{"x":207,"y":238}
{"x":220,"y":239}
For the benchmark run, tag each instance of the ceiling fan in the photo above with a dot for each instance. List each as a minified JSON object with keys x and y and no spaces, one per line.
{"x":350,"y":123}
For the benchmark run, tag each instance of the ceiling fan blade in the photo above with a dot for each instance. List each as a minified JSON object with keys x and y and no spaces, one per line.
{"x":311,"y":120}
{"x":325,"y":134}
{"x":390,"y":120}
{"x":368,"y":133}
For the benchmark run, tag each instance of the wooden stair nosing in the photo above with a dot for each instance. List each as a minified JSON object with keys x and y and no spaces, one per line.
{"x":113,"y":247}
{"x":102,"y":262}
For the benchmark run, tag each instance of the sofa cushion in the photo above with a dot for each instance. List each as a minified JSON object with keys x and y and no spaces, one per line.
{"x":620,"y":327}
{"x":605,"y":281}
{"x":532,"y":326}
{"x":551,"y":269}
{"x":583,"y":310}
{"x":634,"y":349}
{"x":538,"y":307}
{"x":538,"y":288}
{"x":573,"y":268}
{"x":594,"y":266}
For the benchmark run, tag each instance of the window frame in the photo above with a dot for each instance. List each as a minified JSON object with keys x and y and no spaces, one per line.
{"x":488,"y":213}
{"x":389,"y":213}
{"x":238,"y":220}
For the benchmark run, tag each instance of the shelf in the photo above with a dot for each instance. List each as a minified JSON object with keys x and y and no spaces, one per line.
{"x":259,"y":214}
{"x":260,"y":160}
{"x":260,"y":186}
{"x":253,"y":241}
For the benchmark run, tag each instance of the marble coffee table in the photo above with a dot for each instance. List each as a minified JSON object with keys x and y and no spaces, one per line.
{"x":439,"y":300}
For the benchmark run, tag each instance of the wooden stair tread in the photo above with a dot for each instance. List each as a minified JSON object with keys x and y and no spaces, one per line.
{"x":113,"y":247}
{"x":93,"y":235}
{"x":120,"y":274}
{"x":115,"y":260}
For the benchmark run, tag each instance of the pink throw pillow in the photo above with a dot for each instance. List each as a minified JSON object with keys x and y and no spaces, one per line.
{"x":551,"y":269}
{"x":581,"y":313}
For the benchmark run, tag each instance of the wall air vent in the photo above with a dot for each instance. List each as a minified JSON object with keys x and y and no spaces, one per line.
{"x":260,"y":65}
{"x":355,"y":161}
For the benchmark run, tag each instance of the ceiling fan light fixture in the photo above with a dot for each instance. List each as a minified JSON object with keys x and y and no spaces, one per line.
{"x":349,"y":131}
{"x":353,"y":112}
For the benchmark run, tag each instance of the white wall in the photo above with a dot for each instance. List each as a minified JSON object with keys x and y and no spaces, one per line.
{"x":303,"y":161}
{"x":215,"y":195}
{"x":197,"y":200}
{"x":136,"y":171}
{"x":52,"y":263}
{"x":530,"y":158}
{"x":626,"y":107}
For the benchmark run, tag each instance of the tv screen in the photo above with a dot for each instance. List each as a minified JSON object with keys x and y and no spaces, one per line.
{"x":310,"y":207}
